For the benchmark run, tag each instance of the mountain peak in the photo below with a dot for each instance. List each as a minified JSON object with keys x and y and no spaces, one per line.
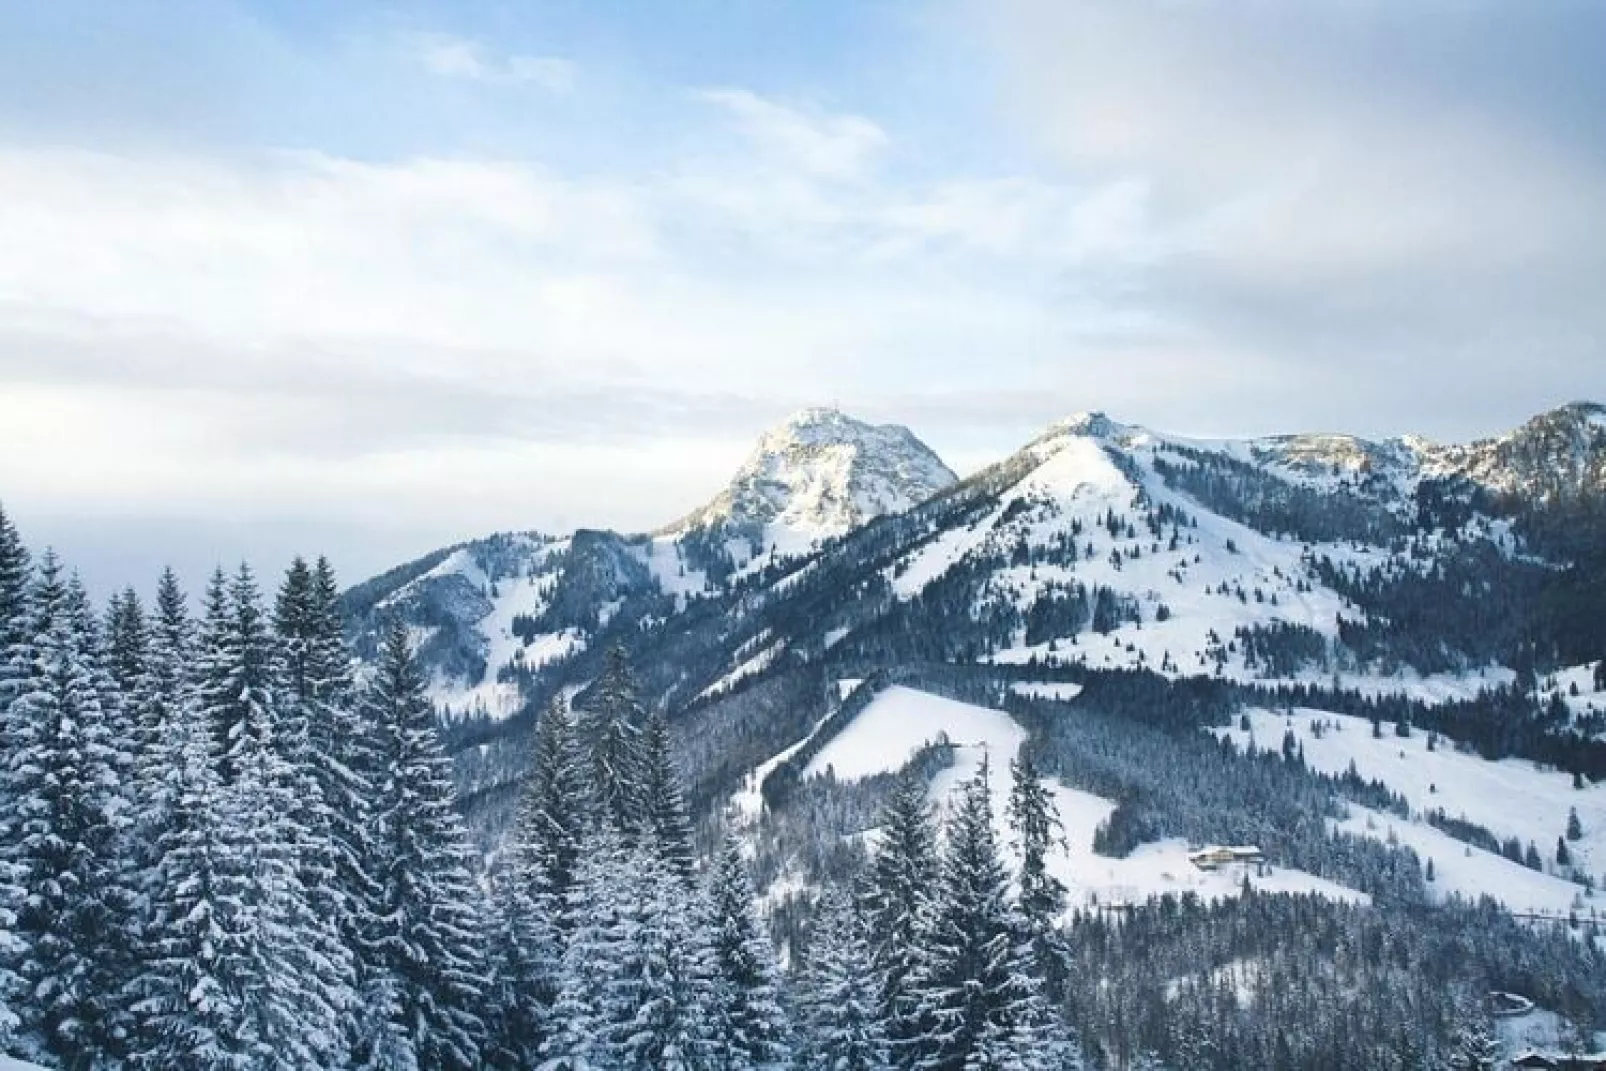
{"x":820,"y":472}
{"x":1095,"y":424}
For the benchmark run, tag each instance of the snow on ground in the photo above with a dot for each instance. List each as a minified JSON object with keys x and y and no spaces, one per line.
{"x":900,"y":721}
{"x":748,"y":801}
{"x":1576,"y":686}
{"x":751,"y":667}
{"x":1510,"y":798}
{"x":1220,"y":576}
{"x":668,"y":568}
{"x":8,"y":1064}
{"x":1158,"y":868}
{"x":1467,"y":872}
{"x":933,"y":559}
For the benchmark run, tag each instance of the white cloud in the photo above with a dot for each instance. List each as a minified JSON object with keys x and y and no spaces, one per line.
{"x":816,"y":143}
{"x":1313,"y":144}
{"x":491,"y":341}
{"x":454,"y":57}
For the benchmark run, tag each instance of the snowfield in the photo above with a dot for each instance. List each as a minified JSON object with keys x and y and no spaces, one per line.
{"x":900,"y":721}
{"x":1510,"y":798}
{"x":1461,"y":870}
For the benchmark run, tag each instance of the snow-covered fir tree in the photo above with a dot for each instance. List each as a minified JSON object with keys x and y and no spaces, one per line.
{"x":191,"y":997}
{"x":840,"y":1026}
{"x":326,"y":749}
{"x":530,"y":887}
{"x":751,"y":1023}
{"x":658,"y":1009}
{"x":301,"y":987}
{"x":62,"y":832}
{"x":126,"y":639}
{"x":637,"y":979}
{"x":16,"y":570}
{"x":1035,"y":825}
{"x":593,"y":948}
{"x":612,"y":729}
{"x":975,"y":994}
{"x":427,"y":934}
{"x":660,"y":801}
{"x":1475,"y":1046}
{"x":903,"y":877}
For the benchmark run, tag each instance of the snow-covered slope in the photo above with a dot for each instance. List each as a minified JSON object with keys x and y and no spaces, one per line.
{"x":1557,"y":454}
{"x":492,"y":615}
{"x":1085,"y":506}
{"x":820,"y":474}
{"x":900,"y":721}
{"x":1511,"y":798}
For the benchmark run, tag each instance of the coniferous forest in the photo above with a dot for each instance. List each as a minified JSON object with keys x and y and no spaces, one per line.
{"x":226,"y":842}
{"x":223,"y":848}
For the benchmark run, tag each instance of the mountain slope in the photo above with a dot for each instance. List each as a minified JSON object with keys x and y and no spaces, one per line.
{"x":1394,"y":567}
{"x":818,"y":475}
{"x":494,"y":613}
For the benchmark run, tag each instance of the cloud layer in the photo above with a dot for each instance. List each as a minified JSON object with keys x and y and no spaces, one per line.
{"x":575,"y":296}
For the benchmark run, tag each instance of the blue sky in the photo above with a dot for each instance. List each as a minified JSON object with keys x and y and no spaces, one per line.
{"x":368,"y":278}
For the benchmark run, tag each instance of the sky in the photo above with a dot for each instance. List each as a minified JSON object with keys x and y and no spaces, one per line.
{"x":365,"y":279}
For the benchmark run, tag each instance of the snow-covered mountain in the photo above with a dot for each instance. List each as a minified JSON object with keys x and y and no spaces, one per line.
{"x":818,"y":475}
{"x":1398,"y":566}
{"x":489,"y":615}
{"x":1376,"y":669}
{"x":1559,"y":454}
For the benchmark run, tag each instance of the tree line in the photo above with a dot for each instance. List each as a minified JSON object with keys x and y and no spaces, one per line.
{"x":225,"y":846}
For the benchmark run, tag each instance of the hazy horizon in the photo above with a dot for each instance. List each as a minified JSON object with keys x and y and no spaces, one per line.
{"x":361,"y":280}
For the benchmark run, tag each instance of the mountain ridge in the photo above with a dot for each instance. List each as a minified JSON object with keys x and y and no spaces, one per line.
{"x":505,"y":618}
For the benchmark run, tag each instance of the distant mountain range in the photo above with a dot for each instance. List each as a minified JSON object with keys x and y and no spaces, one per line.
{"x":842,"y":549}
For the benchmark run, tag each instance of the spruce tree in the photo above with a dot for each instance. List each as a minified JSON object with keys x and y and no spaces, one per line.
{"x":426,"y":934}
{"x":747,"y":1010}
{"x":613,"y":732}
{"x":552,"y":820}
{"x":662,"y":813}
{"x":1475,"y":1046}
{"x":1035,"y":824}
{"x":347,"y":745}
{"x":63,"y":818}
{"x":592,"y":951}
{"x":324,"y":747}
{"x":903,"y":877}
{"x":16,"y":572}
{"x":531,"y":885}
{"x":636,"y":984}
{"x":301,"y":974}
{"x":973,"y":981}
{"x":127,"y":640}
{"x":666,"y":988}
{"x":15,"y":630}
{"x":840,"y":1027}
{"x":191,"y":996}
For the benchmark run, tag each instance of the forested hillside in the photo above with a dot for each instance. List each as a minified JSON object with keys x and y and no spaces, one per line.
{"x":1126,"y":752}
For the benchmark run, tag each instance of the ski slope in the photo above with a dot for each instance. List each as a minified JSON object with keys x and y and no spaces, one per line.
{"x":900,"y":721}
{"x":1510,"y":798}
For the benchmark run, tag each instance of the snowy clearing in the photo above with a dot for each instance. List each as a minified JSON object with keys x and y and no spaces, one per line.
{"x":1159,"y":868}
{"x":1510,"y":798}
{"x":900,"y":721}
{"x":1461,"y":870}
